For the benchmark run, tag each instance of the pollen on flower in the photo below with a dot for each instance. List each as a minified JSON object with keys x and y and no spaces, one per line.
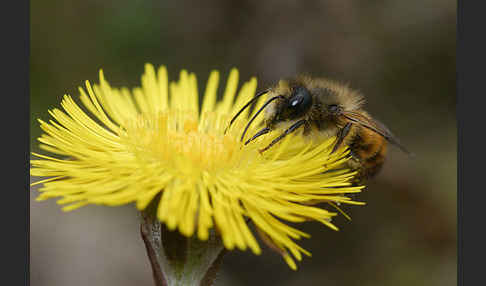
{"x":158,"y":140}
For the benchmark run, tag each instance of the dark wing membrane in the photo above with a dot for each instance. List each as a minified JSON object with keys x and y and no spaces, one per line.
{"x":376,"y":126}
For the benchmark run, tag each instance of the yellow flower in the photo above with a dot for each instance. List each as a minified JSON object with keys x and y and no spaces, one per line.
{"x":158,"y":140}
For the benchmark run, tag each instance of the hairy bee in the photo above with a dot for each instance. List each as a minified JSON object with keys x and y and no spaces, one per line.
{"x":331,"y":109}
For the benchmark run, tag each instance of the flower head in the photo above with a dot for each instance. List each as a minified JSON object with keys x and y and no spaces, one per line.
{"x":158,"y":142}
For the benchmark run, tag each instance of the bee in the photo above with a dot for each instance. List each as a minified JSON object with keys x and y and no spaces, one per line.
{"x":326,"y":108}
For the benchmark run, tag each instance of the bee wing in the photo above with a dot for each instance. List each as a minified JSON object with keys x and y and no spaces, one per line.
{"x":376,"y":126}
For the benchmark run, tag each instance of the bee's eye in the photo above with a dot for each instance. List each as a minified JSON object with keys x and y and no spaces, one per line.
{"x":333,"y":108}
{"x":300,"y":101}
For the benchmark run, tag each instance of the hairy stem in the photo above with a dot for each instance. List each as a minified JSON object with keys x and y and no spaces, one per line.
{"x":177,"y":260}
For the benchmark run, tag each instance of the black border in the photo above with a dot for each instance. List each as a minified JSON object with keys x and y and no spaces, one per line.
{"x":459,"y":106}
{"x":15,"y":142}
{"x":471,"y":70}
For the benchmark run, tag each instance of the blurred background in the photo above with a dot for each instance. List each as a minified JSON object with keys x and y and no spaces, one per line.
{"x":400,"y":54}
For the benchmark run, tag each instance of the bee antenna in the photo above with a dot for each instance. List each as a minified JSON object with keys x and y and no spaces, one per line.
{"x":245,"y":107}
{"x":258,"y":112}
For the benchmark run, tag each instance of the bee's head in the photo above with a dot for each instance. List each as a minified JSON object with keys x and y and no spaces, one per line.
{"x":315,"y":100}
{"x":303,"y":99}
{"x":292,"y":105}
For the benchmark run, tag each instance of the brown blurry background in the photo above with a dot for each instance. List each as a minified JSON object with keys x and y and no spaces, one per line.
{"x":400,"y":54}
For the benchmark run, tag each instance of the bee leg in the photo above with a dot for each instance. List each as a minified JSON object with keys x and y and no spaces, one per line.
{"x":258,"y":134}
{"x":285,"y":133}
{"x":341,"y":135}
{"x":356,"y":164}
{"x":354,"y":155}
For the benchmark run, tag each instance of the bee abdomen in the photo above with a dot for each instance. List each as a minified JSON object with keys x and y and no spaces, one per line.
{"x":369,"y":152}
{"x":372,"y":165}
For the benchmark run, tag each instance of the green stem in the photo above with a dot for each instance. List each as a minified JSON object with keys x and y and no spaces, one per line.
{"x":177,"y":260}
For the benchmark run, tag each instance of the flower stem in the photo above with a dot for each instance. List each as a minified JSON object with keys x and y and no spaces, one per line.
{"x":152,"y":244}
{"x":177,"y":260}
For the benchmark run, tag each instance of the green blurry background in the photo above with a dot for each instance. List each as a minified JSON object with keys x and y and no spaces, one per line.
{"x":400,"y":54}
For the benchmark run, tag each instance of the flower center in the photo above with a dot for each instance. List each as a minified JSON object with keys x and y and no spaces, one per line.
{"x":181,"y":139}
